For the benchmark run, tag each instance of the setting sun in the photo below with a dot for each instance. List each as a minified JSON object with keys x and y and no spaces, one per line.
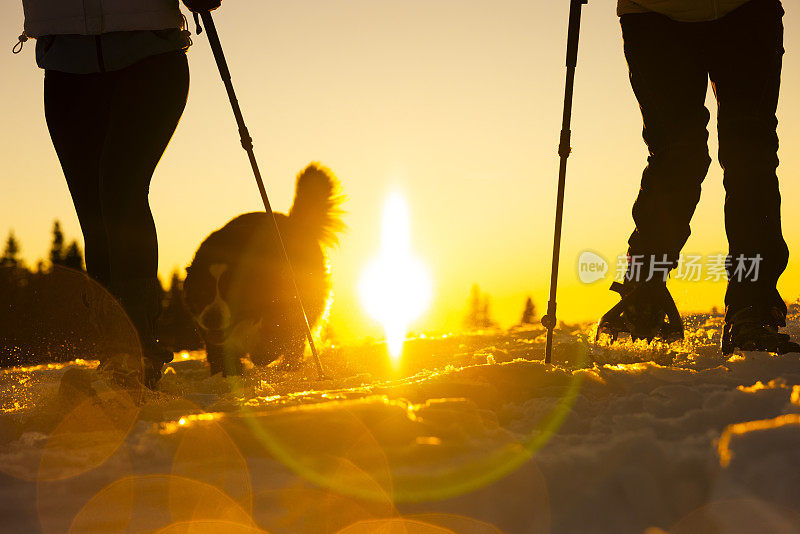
{"x":395,"y":287}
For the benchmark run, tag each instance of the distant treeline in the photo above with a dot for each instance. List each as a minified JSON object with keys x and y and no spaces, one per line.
{"x":55,"y":312}
{"x":479,"y":315}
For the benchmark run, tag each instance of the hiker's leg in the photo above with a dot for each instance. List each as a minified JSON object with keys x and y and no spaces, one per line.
{"x":670,"y":80}
{"x":147,"y":103}
{"x":746,"y":73}
{"x":76,"y":108}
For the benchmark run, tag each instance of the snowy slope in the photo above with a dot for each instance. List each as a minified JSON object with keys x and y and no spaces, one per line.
{"x":470,"y":434}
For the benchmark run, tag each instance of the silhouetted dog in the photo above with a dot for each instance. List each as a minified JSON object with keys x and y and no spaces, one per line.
{"x":238,"y":288}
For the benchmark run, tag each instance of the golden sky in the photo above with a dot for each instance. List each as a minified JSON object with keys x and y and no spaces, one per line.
{"x":455,"y":103}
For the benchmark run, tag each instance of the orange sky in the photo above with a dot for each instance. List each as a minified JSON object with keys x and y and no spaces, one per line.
{"x":455,"y":103}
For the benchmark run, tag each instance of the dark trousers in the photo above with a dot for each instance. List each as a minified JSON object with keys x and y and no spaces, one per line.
{"x":670,"y":65}
{"x":110,"y":131}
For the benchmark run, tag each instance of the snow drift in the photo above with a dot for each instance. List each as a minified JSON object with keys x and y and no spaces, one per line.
{"x":471,"y":434}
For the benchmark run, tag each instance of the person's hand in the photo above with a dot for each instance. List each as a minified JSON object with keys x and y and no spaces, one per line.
{"x":200,"y":6}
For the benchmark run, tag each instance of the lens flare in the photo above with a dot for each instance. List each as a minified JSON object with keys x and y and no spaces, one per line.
{"x":396,"y":287}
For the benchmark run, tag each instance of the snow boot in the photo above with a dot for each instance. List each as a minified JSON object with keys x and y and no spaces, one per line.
{"x":754,"y":329}
{"x":646,"y":311}
{"x":141,"y":300}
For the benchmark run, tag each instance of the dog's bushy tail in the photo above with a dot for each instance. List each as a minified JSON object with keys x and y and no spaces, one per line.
{"x":317,"y":204}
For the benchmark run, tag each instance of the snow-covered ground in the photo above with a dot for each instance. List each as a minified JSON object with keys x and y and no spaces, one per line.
{"x":469,"y":434}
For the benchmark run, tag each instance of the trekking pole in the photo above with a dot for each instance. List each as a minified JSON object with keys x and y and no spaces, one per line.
{"x":564,"y":149}
{"x":247,"y":144}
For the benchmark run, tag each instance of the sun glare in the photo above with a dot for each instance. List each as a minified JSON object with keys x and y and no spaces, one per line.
{"x":395,"y":287}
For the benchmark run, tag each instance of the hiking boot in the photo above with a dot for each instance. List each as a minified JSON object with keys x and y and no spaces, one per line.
{"x":153,"y":371}
{"x":646,"y":311}
{"x":754,"y":329}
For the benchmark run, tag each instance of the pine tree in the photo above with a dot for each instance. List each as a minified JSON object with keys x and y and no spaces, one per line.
{"x":479,"y":310}
{"x":175,"y":286}
{"x":486,"y":314}
{"x":162,"y":293}
{"x":177,"y":327}
{"x":57,"y":248}
{"x":11,"y":253}
{"x":73,"y":258}
{"x":474,"y":309}
{"x":529,"y":314}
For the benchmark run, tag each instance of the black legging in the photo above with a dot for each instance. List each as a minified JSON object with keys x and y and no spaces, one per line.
{"x":110,"y":131}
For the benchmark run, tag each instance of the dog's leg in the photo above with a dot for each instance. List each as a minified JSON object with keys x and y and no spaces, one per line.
{"x":233,"y":365}
{"x":223,"y":360}
{"x":263,"y":353}
{"x":216,"y":356}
